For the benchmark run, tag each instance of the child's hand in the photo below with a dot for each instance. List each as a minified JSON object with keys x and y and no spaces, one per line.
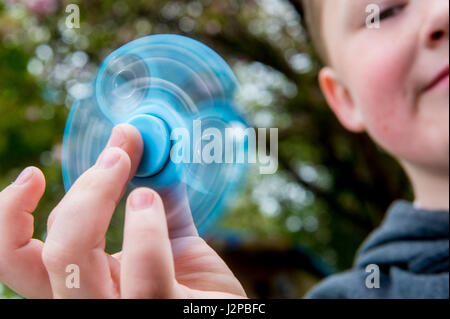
{"x":161,"y":257}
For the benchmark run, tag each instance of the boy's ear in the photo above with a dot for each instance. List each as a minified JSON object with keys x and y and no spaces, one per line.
{"x":340,"y":100}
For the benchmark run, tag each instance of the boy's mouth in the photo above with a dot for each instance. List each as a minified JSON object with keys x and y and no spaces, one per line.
{"x":440,"y":80}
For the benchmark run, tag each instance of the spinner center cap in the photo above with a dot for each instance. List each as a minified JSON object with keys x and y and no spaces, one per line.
{"x":156,"y":137}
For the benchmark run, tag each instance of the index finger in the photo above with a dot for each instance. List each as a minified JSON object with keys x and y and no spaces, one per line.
{"x":128,"y":138}
{"x":77,"y":236}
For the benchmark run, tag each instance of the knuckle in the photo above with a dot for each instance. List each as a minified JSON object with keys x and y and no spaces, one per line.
{"x":163,"y":289}
{"x":157,"y":289}
{"x":55,"y":256}
{"x":3,"y":265}
{"x":89,"y":181}
{"x":8,"y":260}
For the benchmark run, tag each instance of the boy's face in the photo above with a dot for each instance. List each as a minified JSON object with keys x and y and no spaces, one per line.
{"x":393,"y":81}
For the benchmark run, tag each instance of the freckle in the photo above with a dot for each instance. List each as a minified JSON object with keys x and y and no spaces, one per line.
{"x":385,"y":128}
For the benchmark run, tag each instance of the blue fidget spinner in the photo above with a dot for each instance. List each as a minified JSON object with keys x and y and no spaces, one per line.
{"x":177,"y":92}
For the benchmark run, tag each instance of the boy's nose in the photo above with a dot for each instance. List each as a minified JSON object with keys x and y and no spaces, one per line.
{"x":437,"y":23}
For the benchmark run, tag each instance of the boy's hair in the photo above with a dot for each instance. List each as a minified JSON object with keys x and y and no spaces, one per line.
{"x":311,"y":12}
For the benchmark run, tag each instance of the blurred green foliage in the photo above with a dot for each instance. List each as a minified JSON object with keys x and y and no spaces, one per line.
{"x":332,"y":187}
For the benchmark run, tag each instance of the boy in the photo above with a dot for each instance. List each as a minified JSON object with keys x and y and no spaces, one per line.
{"x":391,"y":82}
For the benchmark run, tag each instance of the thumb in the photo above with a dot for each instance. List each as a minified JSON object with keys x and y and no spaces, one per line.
{"x":147,"y":267}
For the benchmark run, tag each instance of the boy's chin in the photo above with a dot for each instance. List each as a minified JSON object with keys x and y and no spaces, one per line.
{"x":437,"y":102}
{"x":441,"y":159}
{"x":435,"y":160}
{"x":441,"y":163}
{"x":438,"y":167}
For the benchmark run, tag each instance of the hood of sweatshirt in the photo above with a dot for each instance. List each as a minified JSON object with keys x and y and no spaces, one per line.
{"x":409,"y":238}
{"x":411,"y":251}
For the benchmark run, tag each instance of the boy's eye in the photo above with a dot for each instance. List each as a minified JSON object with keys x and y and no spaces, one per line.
{"x":390,"y":12}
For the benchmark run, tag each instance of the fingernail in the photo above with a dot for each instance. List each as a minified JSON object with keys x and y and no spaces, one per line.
{"x":109,"y":158}
{"x":117,"y":138}
{"x":141,"y":200}
{"x":25,"y":176}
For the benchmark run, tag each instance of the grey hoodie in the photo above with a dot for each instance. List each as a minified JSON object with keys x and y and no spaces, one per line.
{"x":411,"y":251}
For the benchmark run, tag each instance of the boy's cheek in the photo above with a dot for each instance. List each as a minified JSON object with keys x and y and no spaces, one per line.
{"x":378,"y":96}
{"x":383,"y":87}
{"x":406,"y":134}
{"x":388,"y":128}
{"x":387,"y":107}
